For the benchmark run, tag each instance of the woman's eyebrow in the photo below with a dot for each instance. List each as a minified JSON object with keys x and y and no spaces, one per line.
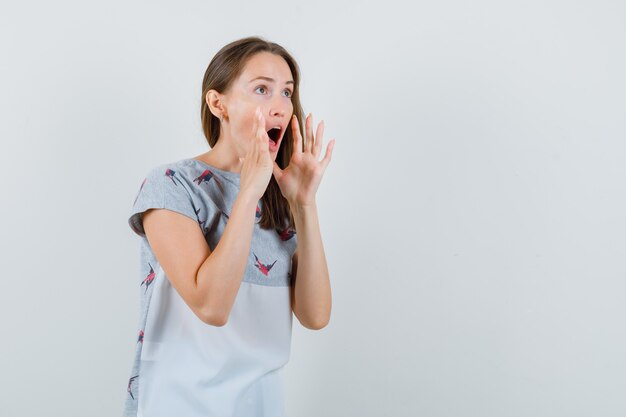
{"x":269,"y":79}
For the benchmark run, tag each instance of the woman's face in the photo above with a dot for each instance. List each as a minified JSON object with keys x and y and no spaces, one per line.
{"x":265,"y":82}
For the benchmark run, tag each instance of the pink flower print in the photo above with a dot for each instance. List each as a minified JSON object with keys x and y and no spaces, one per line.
{"x":286,"y":234}
{"x":149,"y":278}
{"x":265,"y":269}
{"x":171,"y":174}
{"x":206,"y":176}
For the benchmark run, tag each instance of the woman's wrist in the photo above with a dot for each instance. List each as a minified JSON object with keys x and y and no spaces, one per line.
{"x":247,"y":197}
{"x":298,"y":209}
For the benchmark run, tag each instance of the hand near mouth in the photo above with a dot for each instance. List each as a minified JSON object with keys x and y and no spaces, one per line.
{"x":300,"y":180}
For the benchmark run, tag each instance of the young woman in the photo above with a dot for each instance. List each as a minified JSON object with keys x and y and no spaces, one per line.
{"x":231,"y":246}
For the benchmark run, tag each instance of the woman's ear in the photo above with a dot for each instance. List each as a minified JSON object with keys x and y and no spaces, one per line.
{"x":216,"y":104}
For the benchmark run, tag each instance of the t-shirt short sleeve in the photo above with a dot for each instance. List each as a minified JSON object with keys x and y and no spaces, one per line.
{"x":162,"y":188}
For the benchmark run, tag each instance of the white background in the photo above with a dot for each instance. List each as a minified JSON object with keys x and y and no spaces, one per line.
{"x":472,"y":215}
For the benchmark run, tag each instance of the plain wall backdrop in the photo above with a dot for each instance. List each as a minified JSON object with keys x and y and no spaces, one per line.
{"x":472,"y":215}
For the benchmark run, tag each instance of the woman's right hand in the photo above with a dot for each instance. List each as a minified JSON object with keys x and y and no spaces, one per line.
{"x":258,"y":165}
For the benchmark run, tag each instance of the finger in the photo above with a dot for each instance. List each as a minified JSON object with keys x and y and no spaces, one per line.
{"x":253,"y":150}
{"x":255,"y":122}
{"x":265,"y":148}
{"x":259,"y":123}
{"x":261,"y":131}
{"x":258,"y":138}
{"x":319,"y":135}
{"x":297,"y":137}
{"x":309,"y":133}
{"x":264,"y":145}
{"x":259,"y":118}
{"x":329,"y":153}
{"x":250,"y":155}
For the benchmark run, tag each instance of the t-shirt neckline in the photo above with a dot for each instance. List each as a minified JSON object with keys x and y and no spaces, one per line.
{"x":233,"y":176}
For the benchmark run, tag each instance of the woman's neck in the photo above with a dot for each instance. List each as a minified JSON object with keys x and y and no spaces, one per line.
{"x":222,"y":157}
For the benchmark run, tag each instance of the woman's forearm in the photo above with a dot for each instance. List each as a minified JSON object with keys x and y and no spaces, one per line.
{"x":312,"y":294}
{"x":220,"y":275}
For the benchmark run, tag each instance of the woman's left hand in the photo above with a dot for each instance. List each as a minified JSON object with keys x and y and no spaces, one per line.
{"x":299,"y":181}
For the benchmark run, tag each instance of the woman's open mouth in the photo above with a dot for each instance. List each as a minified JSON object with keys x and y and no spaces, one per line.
{"x":275,"y":134}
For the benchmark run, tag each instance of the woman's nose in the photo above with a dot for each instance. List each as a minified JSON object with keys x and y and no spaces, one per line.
{"x":278,"y":108}
{"x":278,"y":111}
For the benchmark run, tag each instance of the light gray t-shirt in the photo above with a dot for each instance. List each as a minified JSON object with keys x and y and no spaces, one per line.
{"x":183,"y":366}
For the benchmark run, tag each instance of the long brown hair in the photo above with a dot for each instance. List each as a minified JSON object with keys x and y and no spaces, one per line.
{"x":223,"y":69}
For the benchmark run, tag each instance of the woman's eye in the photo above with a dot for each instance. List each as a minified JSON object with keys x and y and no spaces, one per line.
{"x":264,"y":89}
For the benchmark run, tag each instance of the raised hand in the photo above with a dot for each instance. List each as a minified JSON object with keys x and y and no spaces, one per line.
{"x":300,"y":180}
{"x":256,"y":170}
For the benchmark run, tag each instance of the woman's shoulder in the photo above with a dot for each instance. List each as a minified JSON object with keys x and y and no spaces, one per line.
{"x":170,"y":168}
{"x":182,"y":171}
{"x":183,"y":186}
{"x":195,"y":171}
{"x":201,"y":182}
